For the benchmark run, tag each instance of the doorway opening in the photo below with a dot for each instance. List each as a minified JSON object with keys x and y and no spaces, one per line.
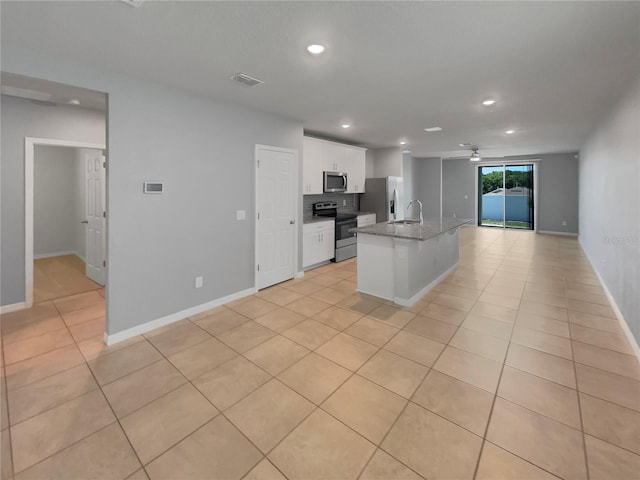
{"x":506,"y":196}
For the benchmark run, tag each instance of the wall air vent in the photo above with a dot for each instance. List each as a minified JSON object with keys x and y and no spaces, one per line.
{"x":133,"y":3}
{"x":246,"y":79}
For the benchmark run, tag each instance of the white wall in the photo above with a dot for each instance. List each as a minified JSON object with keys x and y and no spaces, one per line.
{"x":20,"y":119}
{"x":610,"y":204}
{"x":387,"y":162}
{"x":427,"y":174}
{"x":204,"y":152}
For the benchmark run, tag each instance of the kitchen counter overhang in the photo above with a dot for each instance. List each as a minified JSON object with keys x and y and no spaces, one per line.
{"x":401,"y":262}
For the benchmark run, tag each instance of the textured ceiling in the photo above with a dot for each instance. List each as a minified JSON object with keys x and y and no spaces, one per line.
{"x":391,"y":68}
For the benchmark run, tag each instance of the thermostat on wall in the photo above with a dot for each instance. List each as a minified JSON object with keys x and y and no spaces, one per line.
{"x":153,"y":187}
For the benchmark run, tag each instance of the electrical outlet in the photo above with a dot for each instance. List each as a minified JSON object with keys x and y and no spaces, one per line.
{"x":344,"y":202}
{"x":199,"y":282}
{"x":466,"y":197}
{"x":564,"y":223}
{"x":241,"y":214}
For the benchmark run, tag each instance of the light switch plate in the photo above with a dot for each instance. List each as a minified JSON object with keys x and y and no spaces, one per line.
{"x":241,"y":214}
{"x":199,"y":282}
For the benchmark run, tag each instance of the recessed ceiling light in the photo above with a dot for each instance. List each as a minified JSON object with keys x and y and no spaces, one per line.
{"x":74,"y":101}
{"x":346,"y":125}
{"x":403,"y":142}
{"x":488,"y":101}
{"x":509,"y":132}
{"x":406,"y":151}
{"x":433,"y":129}
{"x":315,"y":49}
{"x":466,"y":144}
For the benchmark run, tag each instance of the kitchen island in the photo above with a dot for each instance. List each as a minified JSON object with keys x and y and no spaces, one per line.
{"x":402,"y":261}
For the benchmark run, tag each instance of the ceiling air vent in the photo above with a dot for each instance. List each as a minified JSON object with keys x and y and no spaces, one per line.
{"x":246,"y":79}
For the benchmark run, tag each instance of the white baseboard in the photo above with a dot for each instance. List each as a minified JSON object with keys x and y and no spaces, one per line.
{"x":552,"y":232}
{"x":58,"y":254}
{"x":174,"y":317}
{"x":14,"y":307}
{"x":623,"y":323}
{"x":298,"y":274}
{"x":409,"y":302}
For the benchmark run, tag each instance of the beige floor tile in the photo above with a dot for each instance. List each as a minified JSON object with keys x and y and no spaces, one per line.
{"x":95,"y":347}
{"x":494,"y":311}
{"x":337,"y":317}
{"x":78,"y":302}
{"x":246,"y":336}
{"x":348,"y":351}
{"x":216,"y":447}
{"x":489,"y":325}
{"x":422,"y":440}
{"x":117,"y":364}
{"x":201,"y":358}
{"x":607,"y":461}
{"x":139,"y":475}
{"x":179,"y":338}
{"x":592,"y":336}
{"x":457,"y":401}
{"x":322,"y":448}
{"x":105,"y":455}
{"x":279,"y":295}
{"x":496,"y":463}
{"x":164,"y":422}
{"x":254,"y":307}
{"x":221,"y":321}
{"x":384,"y":467}
{"x":454,"y":302}
{"x":450,"y":315}
{"x":366,"y":407}
{"x":231,"y":381}
{"x":29,"y":318}
{"x":85,"y":314}
{"x":542,"y":364}
{"x":592,"y":308}
{"x":268,"y":414}
{"x":415,"y":347}
{"x":502,"y":289}
{"x":330,"y":295}
{"x":558,"y":346}
{"x":31,"y":370}
{"x":543,"y":324}
{"x":207,"y":313}
{"x":326,"y":280}
{"x":308,"y":306}
{"x":6,"y":465}
{"x":88,"y":329}
{"x":542,"y":396}
{"x":360,"y":303}
{"x":609,"y":386}
{"x":470,"y":368}
{"x":310,"y":334}
{"x":31,"y":347}
{"x":143,"y":386}
{"x":604,"y":359}
{"x":49,"y":392}
{"x":314,"y":377}
{"x":303,"y":287}
{"x":546,"y":298}
{"x":31,"y":328}
{"x":39,"y":437}
{"x":431,"y":328}
{"x":610,"y":422}
{"x":480,"y":343}
{"x":394,"y":372}
{"x":276,"y":354}
{"x":460,"y":291}
{"x":280,"y":320}
{"x":4,"y":411}
{"x":550,"y":445}
{"x":372,"y":331}
{"x":596,"y":322}
{"x":549,"y":311}
{"x":391,"y":315}
{"x":499,"y":299}
{"x":265,"y":471}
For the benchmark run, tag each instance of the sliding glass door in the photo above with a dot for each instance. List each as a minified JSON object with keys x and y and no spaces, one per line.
{"x":506,"y":196}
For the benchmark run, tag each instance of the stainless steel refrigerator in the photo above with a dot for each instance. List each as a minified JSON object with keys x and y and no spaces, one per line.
{"x":385,"y":197}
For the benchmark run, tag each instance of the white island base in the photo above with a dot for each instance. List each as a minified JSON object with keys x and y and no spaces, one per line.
{"x":403,"y":270}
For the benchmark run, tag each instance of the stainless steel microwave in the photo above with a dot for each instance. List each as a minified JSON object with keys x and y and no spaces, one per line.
{"x":335,"y":182}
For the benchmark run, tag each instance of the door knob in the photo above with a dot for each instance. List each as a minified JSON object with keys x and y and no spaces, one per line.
{"x":84,"y":221}
{"x":292,"y":222}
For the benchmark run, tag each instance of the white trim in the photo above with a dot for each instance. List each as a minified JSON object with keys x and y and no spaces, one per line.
{"x":296,"y":228}
{"x":57,"y":254}
{"x":175,"y":317}
{"x":299,"y":274}
{"x":14,"y":307}
{"x":552,"y":232}
{"x":623,"y":324}
{"x":29,"y":149}
{"x":411,"y":301}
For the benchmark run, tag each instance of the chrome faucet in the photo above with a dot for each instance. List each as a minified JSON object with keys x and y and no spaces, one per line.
{"x":420,"y":205}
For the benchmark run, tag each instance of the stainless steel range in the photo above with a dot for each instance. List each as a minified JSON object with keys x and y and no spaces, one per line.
{"x":345,"y":240}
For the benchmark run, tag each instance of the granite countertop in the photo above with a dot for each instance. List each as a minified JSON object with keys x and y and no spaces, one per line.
{"x":314,"y":219}
{"x":432,"y":227}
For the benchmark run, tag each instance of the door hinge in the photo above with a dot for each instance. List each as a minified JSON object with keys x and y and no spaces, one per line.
{"x":258,"y":215}
{"x":258,"y":162}
{"x":104,"y":214}
{"x":104,"y":263}
{"x":258,"y":267}
{"x":104,"y":164}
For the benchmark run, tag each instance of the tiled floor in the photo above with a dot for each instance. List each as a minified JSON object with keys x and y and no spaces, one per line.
{"x":62,"y":276}
{"x":513,"y":368}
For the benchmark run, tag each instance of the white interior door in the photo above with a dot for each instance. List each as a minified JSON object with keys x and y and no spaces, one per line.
{"x":276,"y":214}
{"x":95,"y":215}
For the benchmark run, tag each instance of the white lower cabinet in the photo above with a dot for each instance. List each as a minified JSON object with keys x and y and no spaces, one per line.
{"x":366,"y":219}
{"x":318,"y":242}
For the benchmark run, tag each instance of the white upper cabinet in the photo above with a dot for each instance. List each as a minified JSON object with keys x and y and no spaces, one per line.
{"x":320,"y":156}
{"x":312,"y":165}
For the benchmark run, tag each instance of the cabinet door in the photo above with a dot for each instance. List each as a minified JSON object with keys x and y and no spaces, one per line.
{"x":355,"y":168}
{"x":327,"y":245}
{"x":334,"y":157}
{"x":364,"y":220}
{"x":310,"y":247}
{"x":312,"y":166}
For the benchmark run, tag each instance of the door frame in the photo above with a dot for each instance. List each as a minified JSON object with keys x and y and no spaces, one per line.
{"x":29,"y":152}
{"x":296,"y":195}
{"x":536,"y":175}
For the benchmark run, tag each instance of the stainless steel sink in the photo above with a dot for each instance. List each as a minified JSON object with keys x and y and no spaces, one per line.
{"x":405,"y":222}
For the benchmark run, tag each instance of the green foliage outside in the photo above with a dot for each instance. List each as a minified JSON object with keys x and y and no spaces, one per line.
{"x":513,"y":178}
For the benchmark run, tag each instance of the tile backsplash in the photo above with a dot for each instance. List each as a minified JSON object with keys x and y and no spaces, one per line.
{"x":352,"y":201}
